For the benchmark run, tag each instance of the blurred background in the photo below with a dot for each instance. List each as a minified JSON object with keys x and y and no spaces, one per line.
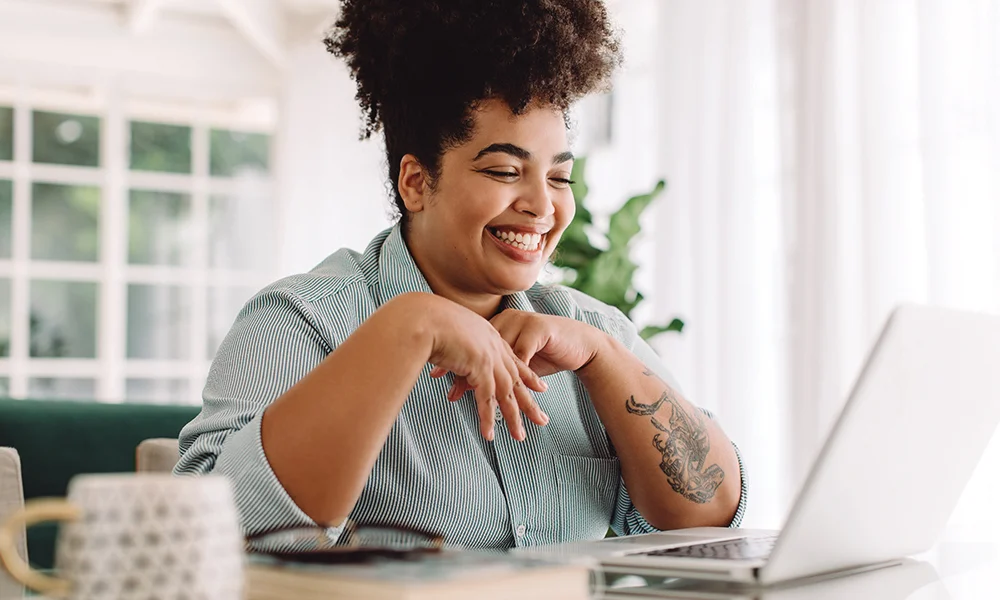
{"x":161,"y":160}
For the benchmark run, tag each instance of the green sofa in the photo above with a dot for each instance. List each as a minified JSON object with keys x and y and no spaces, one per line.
{"x":57,"y":440}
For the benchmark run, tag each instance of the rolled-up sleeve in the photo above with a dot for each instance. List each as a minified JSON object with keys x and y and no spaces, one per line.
{"x":627,"y":520}
{"x":273,"y":344}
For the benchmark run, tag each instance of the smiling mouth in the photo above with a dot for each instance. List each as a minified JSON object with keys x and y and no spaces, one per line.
{"x":527,"y":242}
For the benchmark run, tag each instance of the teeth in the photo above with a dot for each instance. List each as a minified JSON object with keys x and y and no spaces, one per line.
{"x":523,"y":241}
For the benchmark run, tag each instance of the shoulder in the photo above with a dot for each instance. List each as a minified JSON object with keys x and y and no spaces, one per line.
{"x":337,"y":274}
{"x":567,"y":302}
{"x":334,"y":296}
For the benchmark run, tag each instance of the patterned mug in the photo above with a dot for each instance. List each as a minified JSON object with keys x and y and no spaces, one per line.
{"x":136,"y":537}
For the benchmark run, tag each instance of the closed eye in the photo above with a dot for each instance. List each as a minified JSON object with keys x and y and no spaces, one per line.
{"x":498,"y":173}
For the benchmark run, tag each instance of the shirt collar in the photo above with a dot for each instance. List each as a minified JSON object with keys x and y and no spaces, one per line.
{"x":397,"y":271}
{"x":517,"y":301}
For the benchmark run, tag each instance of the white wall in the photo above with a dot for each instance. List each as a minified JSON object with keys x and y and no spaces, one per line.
{"x":331,"y":183}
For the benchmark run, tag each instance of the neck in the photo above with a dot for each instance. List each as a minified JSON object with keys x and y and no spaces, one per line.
{"x":484,"y":304}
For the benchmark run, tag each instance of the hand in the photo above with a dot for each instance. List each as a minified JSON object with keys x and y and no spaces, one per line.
{"x":546,"y":343}
{"x":470,"y":347}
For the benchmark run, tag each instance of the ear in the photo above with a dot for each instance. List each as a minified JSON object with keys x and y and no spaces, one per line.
{"x":413,"y":183}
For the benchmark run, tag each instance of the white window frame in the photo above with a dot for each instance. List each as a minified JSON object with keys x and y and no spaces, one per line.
{"x":117,"y":107}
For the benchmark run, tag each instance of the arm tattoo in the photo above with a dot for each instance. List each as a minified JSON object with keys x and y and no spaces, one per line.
{"x":684,"y":450}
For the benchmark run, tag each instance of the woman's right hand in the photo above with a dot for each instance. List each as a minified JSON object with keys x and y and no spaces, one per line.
{"x":468,"y":345}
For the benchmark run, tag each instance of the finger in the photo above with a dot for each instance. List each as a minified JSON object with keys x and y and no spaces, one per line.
{"x":529,"y":406}
{"x":508,"y":402}
{"x":458,"y":388}
{"x":501,"y":323}
{"x":525,"y":346}
{"x":485,"y":402}
{"x":522,"y":396}
{"x":438,"y":372}
{"x":529,"y":377}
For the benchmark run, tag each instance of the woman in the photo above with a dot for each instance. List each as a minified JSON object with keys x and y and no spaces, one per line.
{"x":374,"y":387}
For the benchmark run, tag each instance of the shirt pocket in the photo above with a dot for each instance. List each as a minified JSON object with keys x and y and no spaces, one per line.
{"x":588,"y":490}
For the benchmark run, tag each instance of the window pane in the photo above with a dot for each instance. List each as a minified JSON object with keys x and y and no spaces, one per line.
{"x":241,"y":232}
{"x":64,"y":139}
{"x":157,"y":391}
{"x":63,"y":322}
{"x":159,"y":147}
{"x":5,"y":317}
{"x":6,"y":133}
{"x":233,"y":152}
{"x":53,"y":388}
{"x":64,"y":222}
{"x":159,"y":322}
{"x":223,"y":306}
{"x":6,"y":215}
{"x":159,"y":228}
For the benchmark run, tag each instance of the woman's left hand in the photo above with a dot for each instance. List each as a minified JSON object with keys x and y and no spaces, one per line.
{"x":546,"y":343}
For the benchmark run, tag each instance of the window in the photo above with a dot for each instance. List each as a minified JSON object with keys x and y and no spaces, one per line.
{"x":128,"y":243}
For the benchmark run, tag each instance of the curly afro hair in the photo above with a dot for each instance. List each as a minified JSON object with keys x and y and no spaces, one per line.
{"x":423,"y":66}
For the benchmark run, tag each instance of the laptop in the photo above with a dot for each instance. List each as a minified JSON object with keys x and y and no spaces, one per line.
{"x":896,"y":583}
{"x":885,"y":481}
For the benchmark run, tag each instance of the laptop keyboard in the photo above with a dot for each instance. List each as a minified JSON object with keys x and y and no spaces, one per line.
{"x":739,"y":549}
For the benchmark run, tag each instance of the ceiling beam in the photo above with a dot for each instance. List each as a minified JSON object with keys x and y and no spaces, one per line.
{"x":142,"y":13}
{"x":264,"y":24}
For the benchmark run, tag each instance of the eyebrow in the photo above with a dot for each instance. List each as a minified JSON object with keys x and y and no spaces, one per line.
{"x":519,"y":152}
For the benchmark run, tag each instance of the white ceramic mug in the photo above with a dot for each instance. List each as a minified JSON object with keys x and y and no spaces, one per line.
{"x":136,"y":537}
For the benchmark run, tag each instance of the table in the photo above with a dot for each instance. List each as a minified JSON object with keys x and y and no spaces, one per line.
{"x":951,"y":571}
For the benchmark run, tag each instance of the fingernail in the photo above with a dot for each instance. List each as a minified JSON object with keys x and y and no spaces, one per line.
{"x":545,"y":418}
{"x":523,"y":433}
{"x":489,"y":434}
{"x":545,"y":386}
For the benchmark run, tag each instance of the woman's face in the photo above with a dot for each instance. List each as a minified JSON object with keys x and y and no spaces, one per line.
{"x":501,"y":203}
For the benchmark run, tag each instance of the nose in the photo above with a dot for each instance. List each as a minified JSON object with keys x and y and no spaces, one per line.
{"x":536,"y":200}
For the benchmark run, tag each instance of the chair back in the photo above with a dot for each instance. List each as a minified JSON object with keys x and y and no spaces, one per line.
{"x":11,"y":499}
{"x":156,"y":455}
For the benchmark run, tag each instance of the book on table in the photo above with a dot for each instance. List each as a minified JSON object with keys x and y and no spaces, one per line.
{"x":447,"y":575}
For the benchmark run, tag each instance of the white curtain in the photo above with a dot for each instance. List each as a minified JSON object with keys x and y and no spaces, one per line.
{"x":827,"y":160}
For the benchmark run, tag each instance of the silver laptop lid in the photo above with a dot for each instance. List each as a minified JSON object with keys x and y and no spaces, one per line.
{"x":908,"y":439}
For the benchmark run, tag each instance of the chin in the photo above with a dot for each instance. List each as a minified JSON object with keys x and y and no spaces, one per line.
{"x":512,"y":285}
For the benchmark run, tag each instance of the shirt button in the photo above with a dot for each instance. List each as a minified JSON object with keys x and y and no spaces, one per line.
{"x":498,"y":415}
{"x":521,"y":529}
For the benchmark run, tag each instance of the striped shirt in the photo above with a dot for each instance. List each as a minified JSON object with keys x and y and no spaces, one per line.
{"x":435,"y":472}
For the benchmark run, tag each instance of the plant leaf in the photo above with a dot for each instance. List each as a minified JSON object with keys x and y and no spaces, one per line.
{"x":574,"y":255}
{"x":650,"y":331}
{"x":580,"y":189}
{"x":608,"y":278}
{"x":625,"y":221}
{"x":575,"y":250}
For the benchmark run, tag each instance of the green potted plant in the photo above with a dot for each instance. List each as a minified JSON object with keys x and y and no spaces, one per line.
{"x":606,"y":274}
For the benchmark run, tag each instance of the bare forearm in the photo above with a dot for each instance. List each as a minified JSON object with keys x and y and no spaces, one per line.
{"x":323,"y":435}
{"x":679,"y":466}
